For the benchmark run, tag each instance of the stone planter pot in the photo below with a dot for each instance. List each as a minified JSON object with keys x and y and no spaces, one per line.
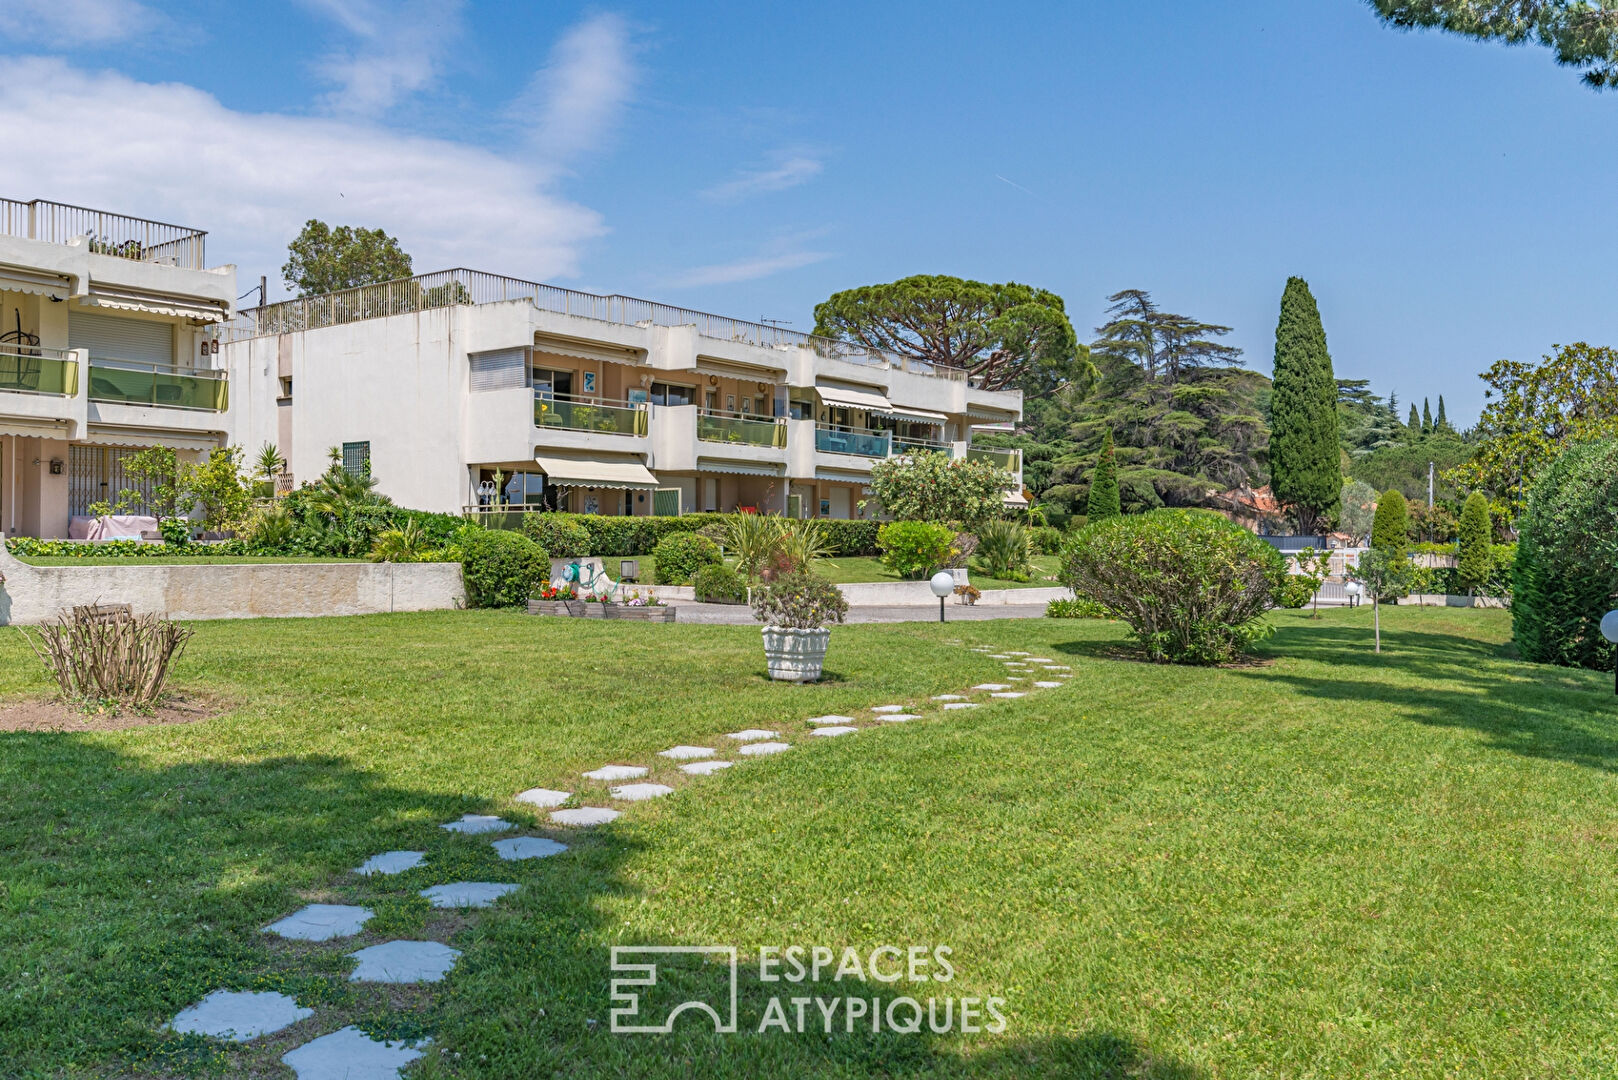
{"x":551,"y":607}
{"x":795,"y":655}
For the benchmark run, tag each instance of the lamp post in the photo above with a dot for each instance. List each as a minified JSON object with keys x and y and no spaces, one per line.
{"x":942,"y":584}
{"x":1609,"y":630}
{"x":1353,"y":591}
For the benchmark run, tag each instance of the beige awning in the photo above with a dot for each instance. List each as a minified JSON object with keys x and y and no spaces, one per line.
{"x":595,"y":471}
{"x":1015,"y":499}
{"x":30,"y":428}
{"x":846,"y":397}
{"x":156,"y":304}
{"x":740,"y":468}
{"x":143,"y":437}
{"x":600,"y":352}
{"x":916,"y":416}
{"x":13,"y":279}
{"x":735,"y":369}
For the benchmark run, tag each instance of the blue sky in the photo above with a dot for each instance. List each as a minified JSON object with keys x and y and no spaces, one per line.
{"x":1447,"y":200}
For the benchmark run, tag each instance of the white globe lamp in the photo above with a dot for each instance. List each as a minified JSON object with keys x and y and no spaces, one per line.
{"x":942,"y":584}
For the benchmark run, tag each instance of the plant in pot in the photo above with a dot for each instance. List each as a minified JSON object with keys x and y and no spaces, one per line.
{"x":796,"y":608}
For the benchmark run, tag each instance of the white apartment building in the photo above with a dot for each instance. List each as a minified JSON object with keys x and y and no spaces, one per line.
{"x":108,"y":344}
{"x":464,"y":391}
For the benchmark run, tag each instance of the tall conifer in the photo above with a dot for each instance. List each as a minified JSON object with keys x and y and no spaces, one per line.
{"x":1305,"y":471}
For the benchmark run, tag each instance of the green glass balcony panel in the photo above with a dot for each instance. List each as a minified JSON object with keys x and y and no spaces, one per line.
{"x":551,"y":412}
{"x":30,"y":374}
{"x":1004,"y":459}
{"x":736,"y":429}
{"x":862,"y":443}
{"x":917,"y":446}
{"x":135,"y":386}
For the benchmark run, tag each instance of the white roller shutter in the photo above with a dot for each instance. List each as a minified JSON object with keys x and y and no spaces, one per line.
{"x":499,"y":369}
{"x":109,"y":337}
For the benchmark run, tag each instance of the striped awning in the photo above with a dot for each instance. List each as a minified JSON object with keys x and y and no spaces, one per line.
{"x":14,"y":279}
{"x":585,"y":350}
{"x":841,"y":477}
{"x":848,"y":397}
{"x":915,"y":416}
{"x":100,"y":435}
{"x":156,"y":304}
{"x":596,"y":471}
{"x":740,"y":468}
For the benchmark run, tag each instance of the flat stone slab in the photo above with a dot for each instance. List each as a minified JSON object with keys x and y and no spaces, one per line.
{"x":1014,"y":652}
{"x":641,"y":792}
{"x":585,"y":816}
{"x":887,"y":708}
{"x":835,"y":730}
{"x":992,"y":686}
{"x":687,"y":753}
{"x":900,"y":717}
{"x":752,"y":735}
{"x":961,"y":705}
{"x":1046,"y":684}
{"x":616,"y":772}
{"x":527,"y":847}
{"x":239,"y":1015}
{"x":350,"y":1054}
{"x":1009,"y":694}
{"x":999,"y":656}
{"x":1058,"y":667}
{"x":391,"y":862}
{"x":467,"y":894}
{"x":1041,"y":660}
{"x":404,"y":962}
{"x":542,"y":797}
{"x":475,"y":824}
{"x":818,"y":721}
{"x":321,"y":922}
{"x":705,"y":768}
{"x":948,"y":697}
{"x":763,"y":749}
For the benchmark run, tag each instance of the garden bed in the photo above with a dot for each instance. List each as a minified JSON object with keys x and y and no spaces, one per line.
{"x":584,"y":609}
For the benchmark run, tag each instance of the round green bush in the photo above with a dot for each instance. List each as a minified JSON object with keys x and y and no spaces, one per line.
{"x":720,"y":585}
{"x":913,"y":549}
{"x":679,"y":556}
{"x":1192,"y":586}
{"x":559,"y":535}
{"x":502,"y":569}
{"x":1567,"y":559}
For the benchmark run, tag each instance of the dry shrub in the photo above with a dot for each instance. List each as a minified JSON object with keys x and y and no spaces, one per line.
{"x":104,"y":653}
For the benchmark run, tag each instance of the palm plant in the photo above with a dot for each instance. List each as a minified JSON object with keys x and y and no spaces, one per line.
{"x":268,"y":464}
{"x":754,"y":540}
{"x":802,"y":541}
{"x":1005,"y":550}
{"x":405,"y":544}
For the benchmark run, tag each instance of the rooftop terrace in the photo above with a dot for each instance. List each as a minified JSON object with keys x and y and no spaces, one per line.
{"x":106,"y":233}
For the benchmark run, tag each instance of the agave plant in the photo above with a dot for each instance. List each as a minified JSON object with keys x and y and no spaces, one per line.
{"x":406,"y":544}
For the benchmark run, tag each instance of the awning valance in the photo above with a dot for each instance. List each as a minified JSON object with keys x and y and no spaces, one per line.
{"x":916,"y":416}
{"x":595,"y":471}
{"x":33,"y":282}
{"x":991,"y":416}
{"x":155,"y":304}
{"x":740,"y":468}
{"x":581,"y":350}
{"x":837,"y":476}
{"x":847,"y":397}
{"x":732,"y":369}
{"x":49,"y":429}
{"x":143,"y":437}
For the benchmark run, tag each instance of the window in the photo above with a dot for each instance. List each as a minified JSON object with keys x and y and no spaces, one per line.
{"x":525,"y":489}
{"x":357,"y":458}
{"x":549,"y":383}
{"x":286,"y":386}
{"x":671,"y":394}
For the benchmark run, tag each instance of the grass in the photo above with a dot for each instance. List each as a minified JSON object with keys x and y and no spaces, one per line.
{"x":1331,"y":864}
{"x":859,"y":569}
{"x":174,"y":560}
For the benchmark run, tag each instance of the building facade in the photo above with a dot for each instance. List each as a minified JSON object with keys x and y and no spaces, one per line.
{"x":108,"y":345}
{"x":465,"y":392}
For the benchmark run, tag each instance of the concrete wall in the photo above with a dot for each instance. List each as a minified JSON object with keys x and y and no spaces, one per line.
{"x":892,"y":594}
{"x":32,"y":594}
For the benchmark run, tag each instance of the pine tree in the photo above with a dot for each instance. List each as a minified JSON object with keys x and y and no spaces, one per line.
{"x":1414,"y":423}
{"x":1305,"y":470}
{"x":1476,"y":534}
{"x":1103,"y":501}
{"x":1441,"y":422}
{"x":1390,"y":528}
{"x":1426,"y":418}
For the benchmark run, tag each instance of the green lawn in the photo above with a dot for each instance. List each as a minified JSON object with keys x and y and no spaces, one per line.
{"x":173,"y":560}
{"x":1335,"y":864}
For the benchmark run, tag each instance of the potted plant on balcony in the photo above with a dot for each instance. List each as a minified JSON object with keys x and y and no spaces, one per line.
{"x":796,"y":608}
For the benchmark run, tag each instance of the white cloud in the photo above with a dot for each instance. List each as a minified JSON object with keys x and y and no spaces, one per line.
{"x":175,"y":153}
{"x":788,"y":172}
{"x":399,"y":51}
{"x":79,"y":22}
{"x":748,"y":269}
{"x":574,"y":102}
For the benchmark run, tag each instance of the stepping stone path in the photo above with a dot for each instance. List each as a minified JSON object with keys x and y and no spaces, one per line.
{"x":834,"y":730}
{"x":1009,"y":694}
{"x":899,"y":718}
{"x":687,"y":753}
{"x":1040,"y":660}
{"x":527,"y":847}
{"x":1046,"y":684}
{"x":641,"y":792}
{"x":762,"y":749}
{"x":350,"y":1054}
{"x":1014,"y":652}
{"x":616,"y":772}
{"x":542,"y":797}
{"x":887,"y":708}
{"x":404,"y":962}
{"x":239,"y":1015}
{"x":391,"y":862}
{"x":475,"y":824}
{"x":948,"y":697}
{"x":752,"y":735}
{"x":992,"y":686}
{"x":585,"y":816}
{"x":321,"y":922}
{"x":961,"y":705}
{"x":467,"y":894}
{"x":818,"y":720}
{"x":999,"y":656}
{"x":704,"y":768}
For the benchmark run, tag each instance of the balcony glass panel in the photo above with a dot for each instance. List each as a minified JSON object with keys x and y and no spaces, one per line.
{"x":905,"y":445}
{"x":712,"y":427}
{"x":1004,"y":459}
{"x":614,"y":418}
{"x":863,"y":443}
{"x":136,"y":384}
{"x":32,"y":370}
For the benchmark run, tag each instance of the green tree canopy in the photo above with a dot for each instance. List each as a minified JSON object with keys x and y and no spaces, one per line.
{"x":1166,"y":346}
{"x":322,"y":259}
{"x":1102,"y":502}
{"x":1476,"y":540}
{"x":1583,"y":34}
{"x":1305,"y":458}
{"x":1005,"y":336}
{"x":1390,"y":529}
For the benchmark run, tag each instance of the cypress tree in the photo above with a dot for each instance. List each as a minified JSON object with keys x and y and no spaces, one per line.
{"x":1305,"y":470}
{"x":1440,"y":422}
{"x":1414,"y":423}
{"x":1390,"y":528}
{"x":1426,"y":418}
{"x":1475,"y":536}
{"x":1103,"y":501}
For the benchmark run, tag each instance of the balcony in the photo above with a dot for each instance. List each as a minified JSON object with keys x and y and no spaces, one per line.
{"x":1009,"y":460}
{"x":905,"y":445}
{"x":611,"y":418}
{"x":107,"y":234}
{"x":30,"y":369}
{"x":874,"y":444}
{"x":130,"y":383}
{"x":745,"y":431}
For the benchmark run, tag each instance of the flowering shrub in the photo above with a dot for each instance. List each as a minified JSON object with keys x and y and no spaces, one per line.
{"x":548,"y":591}
{"x":800,"y":600}
{"x":635,"y":599}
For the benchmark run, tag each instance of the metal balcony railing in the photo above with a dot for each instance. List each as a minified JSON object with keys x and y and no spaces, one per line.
{"x":874,"y":444}
{"x":33,"y":369}
{"x":748,"y":431}
{"x":131,"y":383}
{"x":106,"y":233}
{"x":567,"y":414}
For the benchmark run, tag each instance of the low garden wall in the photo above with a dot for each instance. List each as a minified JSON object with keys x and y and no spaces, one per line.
{"x":32,"y":594}
{"x":898,"y":594}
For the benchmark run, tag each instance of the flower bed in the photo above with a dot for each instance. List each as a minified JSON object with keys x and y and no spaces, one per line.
{"x":565,"y":600}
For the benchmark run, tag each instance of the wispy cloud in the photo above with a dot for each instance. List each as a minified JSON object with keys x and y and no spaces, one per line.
{"x":78,"y":22}
{"x":787,"y":172}
{"x":785,"y":253}
{"x":398,"y":50}
{"x":574,"y":102}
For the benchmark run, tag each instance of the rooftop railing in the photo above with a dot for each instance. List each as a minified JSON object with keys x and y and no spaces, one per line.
{"x":446,"y":288}
{"x":106,"y":233}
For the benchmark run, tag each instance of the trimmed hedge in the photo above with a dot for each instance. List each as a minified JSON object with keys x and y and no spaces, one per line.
{"x":681,"y":556}
{"x":623,"y":536}
{"x":25,"y":547}
{"x":502,"y":569}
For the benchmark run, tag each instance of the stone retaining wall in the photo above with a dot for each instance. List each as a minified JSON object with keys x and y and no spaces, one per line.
{"x":893,"y":594}
{"x":32,"y":594}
